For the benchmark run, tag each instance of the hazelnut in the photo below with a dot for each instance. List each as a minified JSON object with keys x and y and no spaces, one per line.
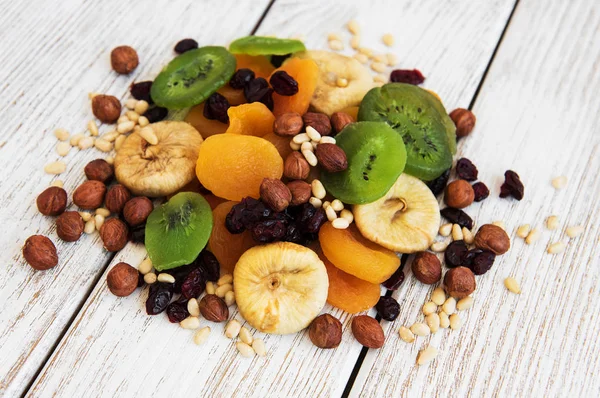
{"x":301,"y":192}
{"x":99,"y":170}
{"x":464,"y":120}
{"x":493,"y":238}
{"x":124,"y":59}
{"x":331,"y":158}
{"x":288,"y":124}
{"x":122,"y":279}
{"x":52,"y":202}
{"x":459,"y":282}
{"x":106,"y":108}
{"x":459,"y":194}
{"x":275,"y":194}
{"x":296,"y":167}
{"x":116,"y":198}
{"x":325,"y":331}
{"x":367,"y":331}
{"x":318,"y":121}
{"x":40,"y":252}
{"x":69,"y":226}
{"x":427,"y":268}
{"x":137,"y":210}
{"x":213,"y":308}
{"x":89,"y":195}
{"x":339,"y":120}
{"x":114,"y":234}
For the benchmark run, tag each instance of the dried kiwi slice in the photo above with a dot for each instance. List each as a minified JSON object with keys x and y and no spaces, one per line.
{"x":260,"y":45}
{"x":192,"y":77}
{"x":376,"y":157}
{"x":420,"y":118}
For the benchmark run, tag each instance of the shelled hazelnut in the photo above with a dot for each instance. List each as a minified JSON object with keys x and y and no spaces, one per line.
{"x":52,"y":201}
{"x":69,"y":226}
{"x":40,"y":252}
{"x":122,"y":279}
{"x":89,"y":195}
{"x":137,"y":210}
{"x":116,"y":198}
{"x":114,"y":234}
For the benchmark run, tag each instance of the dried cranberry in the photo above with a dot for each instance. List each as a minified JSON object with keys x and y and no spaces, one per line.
{"x":141,"y":281}
{"x":283,"y":84}
{"x":512,"y":186}
{"x":243,"y":215}
{"x":258,"y":90}
{"x":138,"y":233}
{"x":240,"y":78}
{"x":407,"y":76}
{"x":215,"y":108}
{"x":466,"y":170}
{"x":211,"y":266}
{"x":156,"y":114}
{"x":480,"y":261}
{"x":277,"y":60}
{"x":141,"y":91}
{"x":159,"y":297}
{"x":268,"y":231}
{"x":481,"y":191}
{"x":186,"y":45}
{"x":437,"y":186}
{"x":193,"y":284}
{"x":457,"y":216}
{"x":293,"y":234}
{"x":394,"y":281}
{"x":177,"y":311}
{"x":388,"y":308}
{"x":316,"y":221}
{"x":455,"y":253}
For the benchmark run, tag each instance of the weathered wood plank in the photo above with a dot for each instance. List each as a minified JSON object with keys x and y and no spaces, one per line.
{"x":537,"y":114}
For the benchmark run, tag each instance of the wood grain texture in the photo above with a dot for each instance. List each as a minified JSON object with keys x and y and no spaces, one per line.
{"x":115,"y":348}
{"x":58,"y":52}
{"x":538,"y":115}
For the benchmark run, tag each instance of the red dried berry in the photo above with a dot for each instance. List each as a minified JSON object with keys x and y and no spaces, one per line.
{"x":457,"y":216}
{"x":156,"y":114}
{"x":437,"y":186}
{"x":193,"y":284}
{"x":141,"y":91}
{"x":394,"y":281}
{"x":283,"y":84}
{"x":241,"y":78}
{"x":186,"y":45}
{"x":479,"y":261}
{"x":455,"y":253}
{"x":481,"y":191}
{"x":466,"y":170}
{"x":388,"y":308}
{"x":413,"y":76}
{"x":216,"y":107}
{"x":177,"y":311}
{"x":512,"y":186}
{"x":159,"y":297}
{"x":258,"y":90}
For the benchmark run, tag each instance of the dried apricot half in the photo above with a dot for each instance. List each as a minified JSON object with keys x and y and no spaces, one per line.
{"x":306,"y":74}
{"x":250,"y":119}
{"x":206,"y":127}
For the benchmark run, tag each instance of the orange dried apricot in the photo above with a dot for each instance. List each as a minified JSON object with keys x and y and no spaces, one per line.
{"x":349,"y":251}
{"x":306,"y":73}
{"x":227,"y":247}
{"x":205,"y":127}
{"x":281,"y":143}
{"x":259,"y":64}
{"x":232,"y":166}
{"x":234,"y":97}
{"x":250,"y":119}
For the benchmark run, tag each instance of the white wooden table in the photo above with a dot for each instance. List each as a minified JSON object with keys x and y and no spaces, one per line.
{"x":530,"y":72}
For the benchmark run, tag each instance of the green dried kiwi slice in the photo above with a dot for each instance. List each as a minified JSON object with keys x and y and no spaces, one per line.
{"x":260,"y":45}
{"x":192,"y":77}
{"x":422,"y":121}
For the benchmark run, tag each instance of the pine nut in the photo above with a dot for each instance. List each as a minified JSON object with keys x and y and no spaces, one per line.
{"x":143,"y":121}
{"x":467,"y":236}
{"x":438,"y":296}
{"x":119,"y":141}
{"x":232,"y":329}
{"x":86,"y":142}
{"x":318,"y":190}
{"x":429,"y":308}
{"x":99,"y":220}
{"x":333,"y":36}
{"x":420,"y":329}
{"x":63,"y":148}
{"x":327,"y":140}
{"x":125,"y":127}
{"x":294,"y":146}
{"x":337,"y":205}
{"x":193,"y":308}
{"x":55,"y":167}
{"x":307,"y":146}
{"x":444,"y":320}
{"x":310,"y":158}
{"x":75,"y":139}
{"x":445,"y":230}
{"x":532,"y":236}
{"x":132,"y":115}
{"x":552,"y":223}
{"x":366,"y":51}
{"x":85,"y":216}
{"x":103,"y":211}
{"x":225,"y":279}
{"x":438,"y":247}
{"x":379,"y":58}
{"x":347,"y":215}
{"x":555,"y":248}
{"x":90,"y":226}
{"x":130,"y":104}
{"x":341,"y":82}
{"x":61,"y":134}
{"x":111,"y":136}
{"x":575,"y":231}
{"x":355,"y":42}
{"x":353,"y":27}
{"x":301,"y":138}
{"x":378,"y":67}
{"x":406,"y":334}
{"x":326,"y":204}
{"x":362,"y":58}
{"x":210,"y":288}
{"x":559,"y":182}
{"x":229,"y":298}
{"x":141,"y":107}
{"x":222,"y":290}
{"x":330,"y":213}
{"x":380,"y":79}
{"x":92,"y":128}
{"x":315,"y":202}
{"x":336,"y":45}
{"x":512,"y":285}
{"x":433,"y":321}
{"x":388,"y":39}
{"x":391,"y":59}
{"x":456,"y":232}
{"x":244,"y":349}
{"x":166,"y":278}
{"x":259,"y":347}
{"x":191,"y":322}
{"x":523,"y":231}
{"x":103,"y":145}
{"x":201,"y":335}
{"x":57,"y":183}
{"x":122,"y":119}
{"x":246,"y":336}
{"x":145,"y":266}
{"x":110,"y":160}
{"x":340,"y":223}
{"x":464,"y":303}
{"x":449,"y":306}
{"x":147,"y":133}
{"x":427,"y":355}
{"x":455,"y":322}
{"x":500,"y":223}
{"x":150,"y":278}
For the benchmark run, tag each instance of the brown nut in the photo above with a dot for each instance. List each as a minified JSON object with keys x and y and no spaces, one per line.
{"x":301,"y":192}
{"x":318,"y":121}
{"x":99,"y":170}
{"x":459,"y":282}
{"x":106,"y":108}
{"x":367,"y":331}
{"x":40,"y":252}
{"x":89,"y":195}
{"x":331,"y":158}
{"x":137,"y":210}
{"x":116,"y":198}
{"x":69,"y":226}
{"x":114,"y":234}
{"x":459,"y":194}
{"x":339,"y":120}
{"x":464,"y":120}
{"x":52,"y":202}
{"x":122,"y":279}
{"x":275,"y":194}
{"x":493,"y":238}
{"x":427,"y":268}
{"x":288,"y":124}
{"x":124,"y":59}
{"x":296,"y":167}
{"x":325,"y":331}
{"x":213,"y":308}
